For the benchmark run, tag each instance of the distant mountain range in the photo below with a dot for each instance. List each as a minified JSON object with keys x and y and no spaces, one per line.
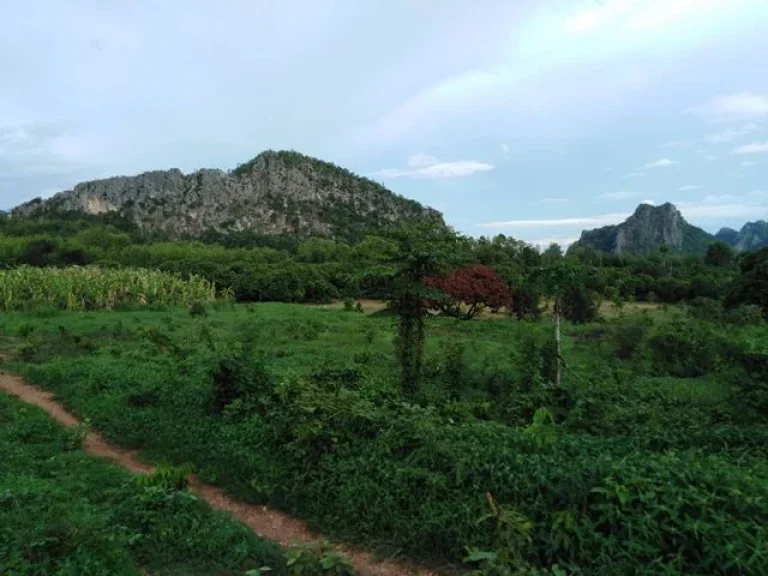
{"x":752,"y":236}
{"x":274,"y":193}
{"x":651,"y":227}
{"x":287,"y":193}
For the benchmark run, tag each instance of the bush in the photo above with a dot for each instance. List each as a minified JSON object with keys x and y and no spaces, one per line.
{"x":628,"y":336}
{"x":198,"y":309}
{"x":525,"y":302}
{"x":238,"y":377}
{"x":744,"y":315}
{"x":578,"y":304}
{"x":706,"y":309}
{"x":686,"y":349}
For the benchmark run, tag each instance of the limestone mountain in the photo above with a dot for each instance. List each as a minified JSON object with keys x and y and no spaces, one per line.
{"x":646,"y":231}
{"x":752,"y":236}
{"x":274,"y":193}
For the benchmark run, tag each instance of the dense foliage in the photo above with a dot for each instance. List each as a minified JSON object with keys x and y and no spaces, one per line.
{"x":752,"y":285}
{"x":650,"y":458}
{"x":257,"y":268}
{"x":62,"y":512}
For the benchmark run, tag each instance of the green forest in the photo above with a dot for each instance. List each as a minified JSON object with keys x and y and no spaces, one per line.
{"x":253,"y":268}
{"x":496,"y":411}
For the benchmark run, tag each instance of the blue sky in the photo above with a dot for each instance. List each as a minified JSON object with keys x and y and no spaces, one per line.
{"x":532,"y":119}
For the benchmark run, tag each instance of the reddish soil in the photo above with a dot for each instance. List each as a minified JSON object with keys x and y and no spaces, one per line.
{"x":267,"y":523}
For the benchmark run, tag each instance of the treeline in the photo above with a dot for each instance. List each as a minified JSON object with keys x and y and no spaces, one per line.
{"x":289,"y":269}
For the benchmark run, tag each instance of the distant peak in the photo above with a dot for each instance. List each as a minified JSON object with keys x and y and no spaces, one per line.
{"x":648,"y":208}
{"x":649,"y":228}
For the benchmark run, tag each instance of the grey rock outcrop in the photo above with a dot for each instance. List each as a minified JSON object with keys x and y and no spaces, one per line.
{"x":752,"y":236}
{"x":648,"y":230}
{"x":275,"y":193}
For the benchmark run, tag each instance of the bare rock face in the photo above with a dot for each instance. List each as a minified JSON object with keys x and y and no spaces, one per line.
{"x":752,"y":236}
{"x":651,"y":227}
{"x":648,"y":230}
{"x":275,"y":193}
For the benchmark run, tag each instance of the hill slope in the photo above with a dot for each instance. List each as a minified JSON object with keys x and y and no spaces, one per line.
{"x":752,"y":236}
{"x":646,"y":231}
{"x":274,"y":193}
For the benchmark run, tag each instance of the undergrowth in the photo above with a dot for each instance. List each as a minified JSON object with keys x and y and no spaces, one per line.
{"x":649,"y":458}
{"x":63,"y":512}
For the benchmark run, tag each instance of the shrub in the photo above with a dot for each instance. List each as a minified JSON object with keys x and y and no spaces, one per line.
{"x":198,"y":309}
{"x":525,"y":304}
{"x":686,"y":349}
{"x":316,"y":560}
{"x":628,"y":336}
{"x":578,"y":304}
{"x":237,"y":378}
{"x":453,"y":368}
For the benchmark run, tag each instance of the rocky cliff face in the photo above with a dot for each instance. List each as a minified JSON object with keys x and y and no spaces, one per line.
{"x":275,"y":193}
{"x":646,"y":231}
{"x":752,"y":236}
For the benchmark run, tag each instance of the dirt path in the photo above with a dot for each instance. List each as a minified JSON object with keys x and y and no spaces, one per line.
{"x":267,"y":523}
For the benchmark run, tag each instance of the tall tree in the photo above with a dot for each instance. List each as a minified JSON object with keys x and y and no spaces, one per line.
{"x":422,"y":252}
{"x":563,"y":284}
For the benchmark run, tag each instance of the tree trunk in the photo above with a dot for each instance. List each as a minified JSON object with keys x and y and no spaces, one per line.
{"x":557,"y":339}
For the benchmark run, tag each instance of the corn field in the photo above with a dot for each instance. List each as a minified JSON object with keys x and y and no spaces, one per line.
{"x":92,"y":288}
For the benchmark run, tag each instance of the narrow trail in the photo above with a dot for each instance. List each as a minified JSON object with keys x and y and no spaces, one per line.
{"x":265,"y":522}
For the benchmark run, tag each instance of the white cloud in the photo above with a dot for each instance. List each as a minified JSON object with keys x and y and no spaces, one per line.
{"x":754,"y":148}
{"x":731,"y":134}
{"x":663,"y":163}
{"x":620,"y":195}
{"x":40,"y":150}
{"x":563,"y":222}
{"x":630,"y":175}
{"x":661,"y":12}
{"x":649,"y":202}
{"x":711,"y":208}
{"x":562,"y":241}
{"x":717,"y":207}
{"x":748,"y":163}
{"x":733,"y":108}
{"x":687,"y":187}
{"x":506,"y":152}
{"x":594,"y":18}
{"x":709,"y":158}
{"x":701,"y":151}
{"x":711,"y":198}
{"x":429,"y":167}
{"x":637,"y":15}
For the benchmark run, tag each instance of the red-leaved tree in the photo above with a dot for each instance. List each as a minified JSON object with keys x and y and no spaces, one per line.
{"x":468,"y":290}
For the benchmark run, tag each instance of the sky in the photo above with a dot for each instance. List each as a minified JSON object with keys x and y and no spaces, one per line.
{"x":535,"y":119}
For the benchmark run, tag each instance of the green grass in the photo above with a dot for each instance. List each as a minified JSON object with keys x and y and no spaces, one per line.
{"x":63,"y":512}
{"x":647,"y":465}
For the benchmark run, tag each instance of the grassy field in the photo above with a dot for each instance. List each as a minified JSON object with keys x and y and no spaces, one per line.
{"x":649,"y":459}
{"x":606,"y":309}
{"x":63,"y":512}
